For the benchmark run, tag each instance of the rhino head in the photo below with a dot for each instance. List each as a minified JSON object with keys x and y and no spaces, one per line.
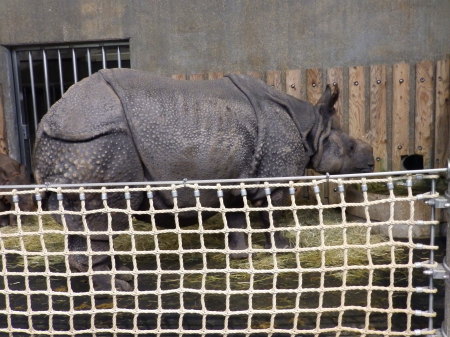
{"x":335,"y":152}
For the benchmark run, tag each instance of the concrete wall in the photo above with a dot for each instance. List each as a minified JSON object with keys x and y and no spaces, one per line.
{"x":173,"y":36}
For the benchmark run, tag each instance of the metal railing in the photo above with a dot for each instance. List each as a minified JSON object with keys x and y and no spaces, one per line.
{"x":341,"y":275}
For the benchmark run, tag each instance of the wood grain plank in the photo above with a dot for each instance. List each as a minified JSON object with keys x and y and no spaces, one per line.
{"x":423,"y":135}
{"x":442,"y":127}
{"x":295,"y":84}
{"x":335,"y":76}
{"x":179,"y":76}
{"x":214,"y":75}
{"x":196,"y":77}
{"x":400,"y":114}
{"x":378,"y":116}
{"x":273,"y":78}
{"x":255,"y":74}
{"x":357,"y":103}
{"x":389,"y":107}
{"x":333,"y":196}
{"x":314,"y":85}
{"x":3,"y":143}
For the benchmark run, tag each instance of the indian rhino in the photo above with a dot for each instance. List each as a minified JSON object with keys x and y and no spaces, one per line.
{"x":126,"y":125}
{"x":12,"y":173}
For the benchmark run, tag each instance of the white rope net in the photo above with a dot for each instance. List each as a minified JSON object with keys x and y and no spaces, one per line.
{"x":341,"y":276}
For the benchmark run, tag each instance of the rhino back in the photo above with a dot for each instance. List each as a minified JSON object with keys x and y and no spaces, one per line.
{"x":187,"y":129}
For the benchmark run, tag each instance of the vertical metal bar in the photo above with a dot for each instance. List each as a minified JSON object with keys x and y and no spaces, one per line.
{"x":47,"y":92}
{"x":61,"y":78}
{"x":103,"y":57}
{"x":432,"y":242}
{"x":23,"y":135}
{"x":74,"y":63}
{"x":446,"y":323}
{"x":119,"y":60}
{"x":88,"y":58}
{"x":33,"y":92}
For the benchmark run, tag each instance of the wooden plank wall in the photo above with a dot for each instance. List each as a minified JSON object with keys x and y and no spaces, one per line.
{"x":442,"y":119}
{"x":400,"y":109}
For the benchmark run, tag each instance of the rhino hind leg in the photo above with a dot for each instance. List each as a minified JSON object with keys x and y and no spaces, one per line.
{"x":108,"y":158}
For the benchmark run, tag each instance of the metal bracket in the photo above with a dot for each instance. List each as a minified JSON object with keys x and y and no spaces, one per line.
{"x":446,"y":268}
{"x":441,"y":272}
{"x":439,"y":202}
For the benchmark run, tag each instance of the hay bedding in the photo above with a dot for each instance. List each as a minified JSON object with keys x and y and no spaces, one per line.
{"x":333,"y":236}
{"x":236,"y":280}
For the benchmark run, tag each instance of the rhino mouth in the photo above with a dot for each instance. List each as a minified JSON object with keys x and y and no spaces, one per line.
{"x":366,"y":169}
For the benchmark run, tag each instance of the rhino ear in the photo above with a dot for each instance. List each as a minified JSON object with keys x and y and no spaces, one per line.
{"x":326,"y":102}
{"x":329,"y":96}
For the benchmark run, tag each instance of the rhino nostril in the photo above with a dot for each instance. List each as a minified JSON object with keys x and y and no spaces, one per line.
{"x":371,"y":167}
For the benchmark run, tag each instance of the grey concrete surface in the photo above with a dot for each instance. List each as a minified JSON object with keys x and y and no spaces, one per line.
{"x":197,"y":35}
{"x":189,"y":36}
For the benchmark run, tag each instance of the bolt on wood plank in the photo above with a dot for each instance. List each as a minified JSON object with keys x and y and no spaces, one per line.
{"x":356,"y":105}
{"x":378,"y":116}
{"x":400,"y":114}
{"x":314,"y":85}
{"x":295,"y":83}
{"x":273,"y":78}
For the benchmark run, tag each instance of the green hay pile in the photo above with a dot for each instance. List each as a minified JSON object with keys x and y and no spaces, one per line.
{"x":31,"y":241}
{"x":309,"y":237}
{"x":264,"y":279}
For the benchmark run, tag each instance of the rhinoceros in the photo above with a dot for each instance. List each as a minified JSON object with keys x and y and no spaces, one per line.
{"x":13,"y":173}
{"x":127,"y":125}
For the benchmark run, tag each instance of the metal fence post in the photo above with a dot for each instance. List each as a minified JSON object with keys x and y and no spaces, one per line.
{"x":446,"y":263}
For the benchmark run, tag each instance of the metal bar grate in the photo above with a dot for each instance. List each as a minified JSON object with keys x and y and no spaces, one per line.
{"x":43,"y":73}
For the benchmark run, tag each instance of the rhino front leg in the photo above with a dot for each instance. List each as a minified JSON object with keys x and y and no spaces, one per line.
{"x":237,"y":240}
{"x":278,"y":198}
{"x":101,"y":263}
{"x":278,"y":237}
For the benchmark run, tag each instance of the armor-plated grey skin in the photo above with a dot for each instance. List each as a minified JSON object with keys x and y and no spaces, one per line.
{"x":125,"y":125}
{"x":13,"y":173}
